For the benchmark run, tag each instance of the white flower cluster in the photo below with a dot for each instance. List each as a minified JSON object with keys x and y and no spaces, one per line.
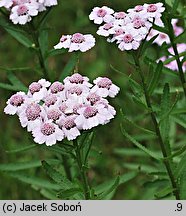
{"x":76,"y":42}
{"x":56,"y":111}
{"x":127,"y":29}
{"x":22,"y":11}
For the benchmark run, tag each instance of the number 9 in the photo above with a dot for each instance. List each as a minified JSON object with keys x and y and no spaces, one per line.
{"x":179,"y":207}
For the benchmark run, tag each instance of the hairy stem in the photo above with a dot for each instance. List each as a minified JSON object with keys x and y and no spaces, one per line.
{"x":157,"y":130}
{"x":80,"y":164}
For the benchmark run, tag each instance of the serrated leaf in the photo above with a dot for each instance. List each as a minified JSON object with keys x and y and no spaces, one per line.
{"x":140,"y":167}
{"x":139,"y":102}
{"x":165,"y":121}
{"x":57,"y":176}
{"x":87,"y":146}
{"x":12,"y":88}
{"x":165,"y":70}
{"x":15,"y":81}
{"x":155,"y":78}
{"x":181,"y":176}
{"x":24,"y":165}
{"x":22,"y":149}
{"x":16,"y":32}
{"x":65,"y":194}
{"x":130,"y":152}
{"x":99,"y":189}
{"x":109,"y":190}
{"x":137,"y":144}
{"x":43,"y":42}
{"x":136,"y":125}
{"x":33,"y":180}
{"x":180,"y":119}
{"x":164,"y":193}
{"x":147,"y":44}
{"x":54,"y":52}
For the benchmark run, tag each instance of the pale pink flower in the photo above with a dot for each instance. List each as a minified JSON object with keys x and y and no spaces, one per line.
{"x":65,"y":41}
{"x":104,"y":87}
{"x":48,"y":133}
{"x":6,"y":3}
{"x":31,"y":116}
{"x":23,"y":13}
{"x":154,"y":10}
{"x":15,"y":103}
{"x":76,"y":42}
{"x":77,"y":80}
{"x":91,"y":116}
{"x":129,"y":41}
{"x":69,"y":127}
{"x":81,"y":42}
{"x":38,"y":90}
{"x":103,"y":14}
{"x":106,"y":30}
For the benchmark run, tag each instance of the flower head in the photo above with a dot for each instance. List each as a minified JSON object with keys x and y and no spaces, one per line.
{"x":76,"y":42}
{"x":61,"y":110}
{"x":103,"y":14}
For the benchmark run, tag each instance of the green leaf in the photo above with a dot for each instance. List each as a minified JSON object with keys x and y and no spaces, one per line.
{"x":137,"y":144}
{"x":15,"y":81}
{"x":24,"y":165}
{"x":139,"y":102}
{"x":69,"y":66}
{"x":48,"y":194}
{"x":65,"y":194}
{"x":33,"y":180}
{"x":57,"y":176}
{"x":135,"y":125}
{"x":165,"y":70}
{"x":164,"y":116}
{"x":63,"y":149}
{"x":147,"y":44}
{"x":140,"y":167}
{"x":164,"y":193}
{"x":54,"y":52}
{"x":87,"y":146}
{"x":180,"y":119}
{"x":43,"y":42}
{"x":181,"y":176}
{"x":155,"y":78}
{"x":130,"y":152}
{"x":16,"y":32}
{"x":99,"y":189}
{"x":137,"y":89}
{"x":22,"y":149}
{"x":16,"y":69}
{"x":11,"y":87}
{"x":111,"y":189}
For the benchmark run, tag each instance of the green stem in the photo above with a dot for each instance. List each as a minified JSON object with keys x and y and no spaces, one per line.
{"x":40,"y":56}
{"x":157,"y":130}
{"x":81,"y":167}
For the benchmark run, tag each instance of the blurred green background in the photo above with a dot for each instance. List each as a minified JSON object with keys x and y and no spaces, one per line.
{"x":107,"y":158}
